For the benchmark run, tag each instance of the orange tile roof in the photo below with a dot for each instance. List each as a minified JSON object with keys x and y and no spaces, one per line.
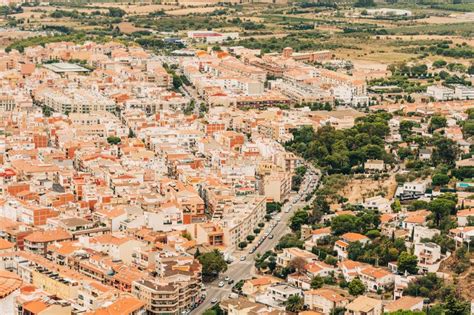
{"x":4,"y":244}
{"x":9,"y":282}
{"x":35,"y":306}
{"x":48,"y":236}
{"x":353,"y":237}
{"x":328,"y":294}
{"x":405,"y":303}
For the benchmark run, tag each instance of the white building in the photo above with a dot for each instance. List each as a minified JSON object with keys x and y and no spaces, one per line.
{"x":463,"y":92}
{"x":429,"y":256}
{"x":440,"y":93}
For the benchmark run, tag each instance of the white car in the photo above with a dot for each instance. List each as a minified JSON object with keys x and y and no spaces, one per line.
{"x":214,"y":301}
{"x":221,"y":284}
{"x":227,"y":278}
{"x":242,"y":258}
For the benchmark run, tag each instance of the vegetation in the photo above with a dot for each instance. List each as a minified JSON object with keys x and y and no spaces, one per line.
{"x":339,"y":151}
{"x":212,"y":264}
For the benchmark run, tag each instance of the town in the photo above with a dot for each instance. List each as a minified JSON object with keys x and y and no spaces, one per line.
{"x":206,"y":173}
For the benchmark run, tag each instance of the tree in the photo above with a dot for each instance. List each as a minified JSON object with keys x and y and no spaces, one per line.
{"x":407,"y":262}
{"x":436,"y":122}
{"x":440,"y":179}
{"x":250,"y":238}
{"x":317,"y":282}
{"x":439,"y":63}
{"x":300,"y":217}
{"x":297,"y":264}
{"x":441,"y":208}
{"x":212,"y":264}
{"x":294,"y":304}
{"x":289,"y":240}
{"x":356,"y":287}
{"x":116,"y":12}
{"x":114,"y":140}
{"x":455,"y":306}
{"x":344,"y":223}
{"x":242,"y":245}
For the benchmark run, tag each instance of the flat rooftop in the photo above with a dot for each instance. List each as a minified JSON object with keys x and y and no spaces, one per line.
{"x":62,"y":67}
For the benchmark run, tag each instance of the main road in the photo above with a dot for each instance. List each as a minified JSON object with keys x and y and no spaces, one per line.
{"x":244,"y":269}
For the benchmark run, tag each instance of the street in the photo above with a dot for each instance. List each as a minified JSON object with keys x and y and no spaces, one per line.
{"x":243,"y":270}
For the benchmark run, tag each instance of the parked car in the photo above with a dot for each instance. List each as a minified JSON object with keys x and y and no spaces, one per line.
{"x":242,"y":258}
{"x":221,"y":284}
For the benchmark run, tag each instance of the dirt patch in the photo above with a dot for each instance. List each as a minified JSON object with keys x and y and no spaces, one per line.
{"x":192,"y":10}
{"x":357,"y":190}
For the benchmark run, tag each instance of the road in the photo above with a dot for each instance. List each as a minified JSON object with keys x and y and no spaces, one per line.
{"x":243,"y":270}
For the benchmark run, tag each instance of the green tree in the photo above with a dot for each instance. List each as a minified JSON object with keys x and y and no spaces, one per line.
{"x":299,"y":218}
{"x":356,"y":287}
{"x":242,"y":245}
{"x":113,"y":140}
{"x":407,"y":262}
{"x":440,"y":179}
{"x":441,"y":208}
{"x":455,"y":306}
{"x":344,"y":223}
{"x":212,"y":264}
{"x":436,"y":122}
{"x":294,"y":304}
{"x":317,"y":282}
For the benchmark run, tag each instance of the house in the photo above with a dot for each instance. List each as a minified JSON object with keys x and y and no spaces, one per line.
{"x":258,"y":285}
{"x":374,"y":166}
{"x":243,"y":306}
{"x":415,"y":218}
{"x":281,"y":292}
{"x":412,"y":190}
{"x":463,"y":216}
{"x":341,"y":247}
{"x":299,"y":280}
{"x":324,"y":301}
{"x":462,"y":234}
{"x":364,"y":305}
{"x":376,"y":279}
{"x":378,"y":203}
{"x":425,"y":154}
{"x":405,"y":303}
{"x":423,"y":232}
{"x":351,"y":269}
{"x":355,"y":237}
{"x":316,"y":236}
{"x":318,"y":268}
{"x":288,"y":254}
{"x":429,"y":256}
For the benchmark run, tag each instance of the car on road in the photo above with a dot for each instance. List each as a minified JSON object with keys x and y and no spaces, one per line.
{"x":214,"y":301}
{"x":251,"y":252}
{"x":278,"y":219}
{"x":227,"y":278}
{"x":243,"y":257}
{"x":221,"y":284}
{"x":271,"y":236}
{"x":230,"y":281}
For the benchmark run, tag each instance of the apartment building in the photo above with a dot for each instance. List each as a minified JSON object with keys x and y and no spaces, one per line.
{"x":74,"y":100}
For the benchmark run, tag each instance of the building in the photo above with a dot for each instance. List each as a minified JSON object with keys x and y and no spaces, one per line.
{"x":284,"y":259}
{"x":463,"y":92}
{"x":324,"y":301}
{"x":37,"y":242}
{"x":440,"y":93}
{"x":374,"y":166}
{"x":364,"y":305}
{"x":405,"y":303}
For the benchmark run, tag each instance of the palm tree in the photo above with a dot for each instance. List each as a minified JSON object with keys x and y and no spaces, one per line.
{"x":294,"y":303}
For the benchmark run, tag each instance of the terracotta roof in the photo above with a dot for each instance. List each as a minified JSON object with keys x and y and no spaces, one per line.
{"x":35,"y":306}
{"x":48,"y":236}
{"x":123,"y":306}
{"x":328,"y":294}
{"x":9,"y":282}
{"x":466,"y":213}
{"x":353,"y":237}
{"x":326,"y":230}
{"x":405,"y":303}
{"x":4,"y":244}
{"x":261,"y":281}
{"x":375,"y":272}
